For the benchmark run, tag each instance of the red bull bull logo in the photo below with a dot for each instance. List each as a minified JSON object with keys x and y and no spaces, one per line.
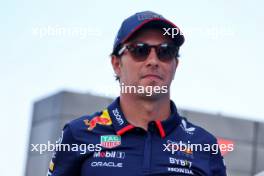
{"x":103,"y":119}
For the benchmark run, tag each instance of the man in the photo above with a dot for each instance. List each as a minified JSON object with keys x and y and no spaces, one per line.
{"x":140,"y":133}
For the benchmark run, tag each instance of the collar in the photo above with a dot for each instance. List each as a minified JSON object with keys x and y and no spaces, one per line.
{"x":121,"y":125}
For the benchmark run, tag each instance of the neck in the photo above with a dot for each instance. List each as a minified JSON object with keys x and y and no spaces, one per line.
{"x":139,"y":111}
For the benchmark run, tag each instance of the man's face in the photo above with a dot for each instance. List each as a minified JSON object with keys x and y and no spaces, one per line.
{"x":151,"y":71}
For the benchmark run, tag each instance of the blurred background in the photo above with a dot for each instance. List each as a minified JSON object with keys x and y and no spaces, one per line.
{"x":61,"y":48}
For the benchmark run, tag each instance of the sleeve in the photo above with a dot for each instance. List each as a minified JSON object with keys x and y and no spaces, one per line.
{"x":65,"y":162}
{"x":217,"y":165}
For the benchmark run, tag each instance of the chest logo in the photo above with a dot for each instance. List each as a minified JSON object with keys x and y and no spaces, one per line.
{"x":103,"y":119}
{"x":110,"y":141}
{"x":189,"y":130}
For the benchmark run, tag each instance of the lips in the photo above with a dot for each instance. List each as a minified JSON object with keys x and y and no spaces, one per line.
{"x":154,"y":76}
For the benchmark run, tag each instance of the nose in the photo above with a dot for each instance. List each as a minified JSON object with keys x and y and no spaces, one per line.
{"x":152,"y":60}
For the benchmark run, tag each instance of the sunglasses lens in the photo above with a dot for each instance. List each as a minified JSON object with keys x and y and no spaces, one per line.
{"x":167,"y":52}
{"x":140,"y":51}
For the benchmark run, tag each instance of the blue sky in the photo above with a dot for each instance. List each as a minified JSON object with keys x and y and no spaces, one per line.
{"x":220,"y":71}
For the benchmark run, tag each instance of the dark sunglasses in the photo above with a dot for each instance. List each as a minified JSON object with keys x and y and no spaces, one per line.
{"x":141,"y":51}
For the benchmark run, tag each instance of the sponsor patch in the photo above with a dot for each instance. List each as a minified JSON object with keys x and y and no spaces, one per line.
{"x":110,"y":141}
{"x":106,"y":164}
{"x":118,"y":117}
{"x":103,"y":119}
{"x":180,"y":162}
{"x":51,"y":166}
{"x":180,"y":170}
{"x":109,"y":154}
{"x":178,"y":148}
{"x":189,"y":130}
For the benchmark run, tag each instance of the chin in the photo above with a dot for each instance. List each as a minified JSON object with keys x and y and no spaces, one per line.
{"x":151,"y":83}
{"x":152,"y":97}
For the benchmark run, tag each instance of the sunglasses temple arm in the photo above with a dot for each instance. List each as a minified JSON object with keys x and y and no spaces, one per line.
{"x":121,"y":50}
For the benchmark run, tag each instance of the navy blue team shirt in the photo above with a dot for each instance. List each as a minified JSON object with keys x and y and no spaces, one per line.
{"x":105,"y":143}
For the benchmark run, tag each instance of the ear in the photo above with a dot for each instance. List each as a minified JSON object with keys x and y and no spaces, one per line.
{"x":177,"y":63}
{"x":176,"y":66}
{"x":116,"y":64}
